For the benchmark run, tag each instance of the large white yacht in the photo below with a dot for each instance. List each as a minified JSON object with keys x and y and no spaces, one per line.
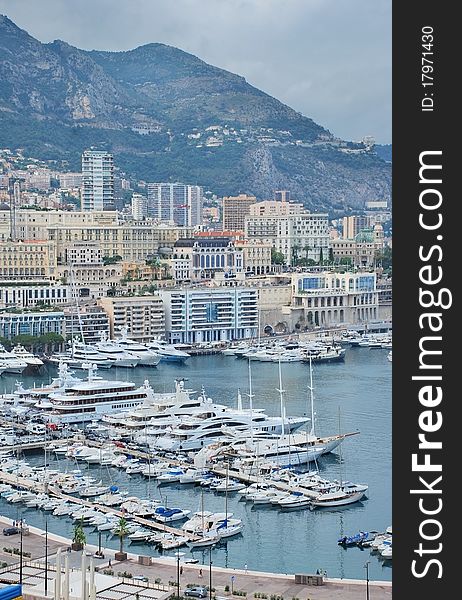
{"x":32,"y":361}
{"x":90,"y":399}
{"x":180,"y":421}
{"x":168,"y":352}
{"x":10,"y":363}
{"x":80,"y":355}
{"x":146,"y":356}
{"x":193,"y":433}
{"x":30,"y":396}
{"x":114,"y":351}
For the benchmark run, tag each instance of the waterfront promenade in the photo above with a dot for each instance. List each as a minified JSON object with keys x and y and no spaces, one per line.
{"x":166,"y":568}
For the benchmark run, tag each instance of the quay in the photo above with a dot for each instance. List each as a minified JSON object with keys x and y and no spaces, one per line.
{"x":162,"y":573}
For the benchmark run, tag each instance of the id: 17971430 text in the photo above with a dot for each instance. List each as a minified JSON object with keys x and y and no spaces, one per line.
{"x":427,"y":69}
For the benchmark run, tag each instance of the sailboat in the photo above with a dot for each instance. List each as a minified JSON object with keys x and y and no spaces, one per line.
{"x":345,"y":493}
{"x":207,"y":538}
{"x":227,"y":527}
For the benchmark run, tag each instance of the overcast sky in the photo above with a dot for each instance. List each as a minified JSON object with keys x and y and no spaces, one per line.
{"x":328,"y":59}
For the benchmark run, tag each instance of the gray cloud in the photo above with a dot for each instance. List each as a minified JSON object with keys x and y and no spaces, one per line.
{"x":328,"y":59}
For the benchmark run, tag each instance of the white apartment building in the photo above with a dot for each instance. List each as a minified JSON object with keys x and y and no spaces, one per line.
{"x":97,"y":180}
{"x":143,"y":316}
{"x":177,"y":203}
{"x":330,"y":298}
{"x":70,"y":180}
{"x":295,"y":236}
{"x":269,"y":208}
{"x":139,"y":207}
{"x":210,"y":314}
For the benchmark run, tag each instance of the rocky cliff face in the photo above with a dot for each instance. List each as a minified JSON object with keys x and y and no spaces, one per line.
{"x":167,"y":115}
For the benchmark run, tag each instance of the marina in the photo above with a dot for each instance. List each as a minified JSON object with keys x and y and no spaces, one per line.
{"x":359,"y":386}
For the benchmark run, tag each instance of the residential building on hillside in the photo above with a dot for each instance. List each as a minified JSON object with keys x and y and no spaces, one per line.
{"x":234,"y":211}
{"x":176,"y":203}
{"x":139,"y":207}
{"x":87,"y":323}
{"x":70,"y":180}
{"x":97,"y":180}
{"x":143,"y":316}
{"x":295,"y":236}
{"x":276,"y":208}
{"x":28,"y":260}
{"x":353,"y":225}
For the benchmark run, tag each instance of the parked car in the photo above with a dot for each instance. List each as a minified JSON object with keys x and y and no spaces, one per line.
{"x":11,"y":530}
{"x":196,"y":592}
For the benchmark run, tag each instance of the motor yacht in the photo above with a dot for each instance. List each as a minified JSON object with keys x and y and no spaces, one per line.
{"x":168,"y":352}
{"x":32,"y":361}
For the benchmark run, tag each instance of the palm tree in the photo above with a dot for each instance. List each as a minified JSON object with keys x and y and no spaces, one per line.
{"x":79,"y":539}
{"x":121,"y":531}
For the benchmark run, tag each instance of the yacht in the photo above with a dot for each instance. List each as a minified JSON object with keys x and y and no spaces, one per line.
{"x":194,"y":433}
{"x":30,"y":396}
{"x":114,"y":351}
{"x":341,"y":496}
{"x":33,"y":362}
{"x":146,"y":356}
{"x":324,"y":353}
{"x":168,"y":352}
{"x":90,"y":399}
{"x":80,"y":355}
{"x":10,"y":363}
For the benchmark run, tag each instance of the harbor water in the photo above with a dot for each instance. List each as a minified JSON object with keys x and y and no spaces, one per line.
{"x":354,"y":395}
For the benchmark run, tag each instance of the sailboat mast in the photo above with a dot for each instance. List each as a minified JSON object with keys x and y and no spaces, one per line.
{"x":311,"y":398}
{"x":226,"y":494}
{"x":251,"y":402}
{"x":281,"y":396}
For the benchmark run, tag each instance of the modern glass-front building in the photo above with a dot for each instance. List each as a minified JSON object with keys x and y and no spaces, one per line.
{"x":35,"y":324}
{"x":210,"y":315}
{"x":331,"y":298}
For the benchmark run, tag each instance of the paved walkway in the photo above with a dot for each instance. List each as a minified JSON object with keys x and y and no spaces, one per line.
{"x":165,"y":569}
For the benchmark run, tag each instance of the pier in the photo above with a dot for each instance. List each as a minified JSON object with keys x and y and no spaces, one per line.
{"x":22,"y":483}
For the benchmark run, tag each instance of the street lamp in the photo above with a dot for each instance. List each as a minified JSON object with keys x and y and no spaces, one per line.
{"x":366,"y":566}
{"x":46,"y":557}
{"x":178,"y":554}
{"x":20,"y":556}
{"x":210,"y":570}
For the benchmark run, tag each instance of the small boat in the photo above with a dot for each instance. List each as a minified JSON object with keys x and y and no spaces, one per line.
{"x":140,"y":535}
{"x":336,"y":498}
{"x":170,"y":476}
{"x":167,"y":515}
{"x":354,"y":540}
{"x":206,"y":540}
{"x":294,"y":500}
{"x":231,"y":486}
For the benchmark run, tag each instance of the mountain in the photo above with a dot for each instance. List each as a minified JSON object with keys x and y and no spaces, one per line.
{"x":169,"y":116}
